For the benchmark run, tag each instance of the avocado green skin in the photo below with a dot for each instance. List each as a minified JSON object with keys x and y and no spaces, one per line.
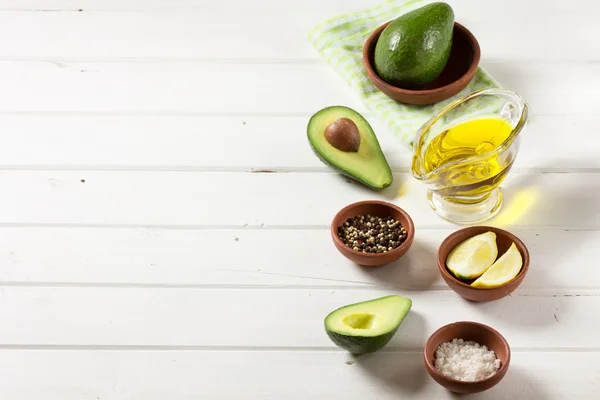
{"x":361,"y":344}
{"x":414,"y":48}
{"x":352,"y":114}
{"x":356,"y":178}
{"x":356,"y":344}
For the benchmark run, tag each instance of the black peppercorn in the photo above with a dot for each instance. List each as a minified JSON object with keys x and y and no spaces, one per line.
{"x":372,"y":234}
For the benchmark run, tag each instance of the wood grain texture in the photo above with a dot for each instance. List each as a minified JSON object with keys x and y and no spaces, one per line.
{"x":148,"y":252}
{"x":579,"y":6}
{"x":168,"y":29}
{"x":273,"y":318}
{"x":175,"y":375}
{"x":141,"y":257}
{"x":183,"y":88}
{"x":258,"y":142}
{"x":217,"y":199}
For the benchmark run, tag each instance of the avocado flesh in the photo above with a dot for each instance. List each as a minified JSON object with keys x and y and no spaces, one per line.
{"x":368,"y":165}
{"x":413,"y":49}
{"x":367,"y":326}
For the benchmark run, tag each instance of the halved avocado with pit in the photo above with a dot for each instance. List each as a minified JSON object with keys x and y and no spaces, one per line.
{"x":367,"y":326}
{"x":344,"y":140}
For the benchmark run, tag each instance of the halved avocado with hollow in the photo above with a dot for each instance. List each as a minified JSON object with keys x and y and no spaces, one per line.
{"x":344,"y":140}
{"x":367,"y":326}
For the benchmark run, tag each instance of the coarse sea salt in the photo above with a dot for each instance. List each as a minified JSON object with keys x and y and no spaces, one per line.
{"x":466,"y":360}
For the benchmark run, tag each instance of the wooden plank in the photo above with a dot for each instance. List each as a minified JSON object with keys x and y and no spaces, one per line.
{"x":561,"y":260}
{"x":209,"y":88}
{"x":277,"y":35}
{"x":176,"y":5}
{"x":190,"y":199}
{"x":276,"y":143}
{"x":73,"y":375}
{"x":273,"y":5}
{"x":272,"y":318}
{"x":171,"y":142}
{"x":125,"y":284}
{"x":179,"y":88}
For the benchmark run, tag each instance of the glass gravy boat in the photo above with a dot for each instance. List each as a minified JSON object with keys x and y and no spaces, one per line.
{"x":466,"y":189}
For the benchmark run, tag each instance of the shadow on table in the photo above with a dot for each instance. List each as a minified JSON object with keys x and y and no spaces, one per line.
{"x":400,"y":373}
{"x":417,"y":270}
{"x":523,"y":309}
{"x":517,"y":384}
{"x":400,"y":370}
{"x":390,"y":193}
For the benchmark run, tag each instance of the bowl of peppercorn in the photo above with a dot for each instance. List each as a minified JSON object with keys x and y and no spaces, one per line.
{"x":372,"y":232}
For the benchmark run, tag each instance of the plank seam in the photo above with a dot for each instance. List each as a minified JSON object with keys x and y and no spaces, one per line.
{"x":270,"y":114}
{"x":557,"y":291}
{"x":263,"y":226}
{"x":298,"y":349}
{"x":256,"y":170}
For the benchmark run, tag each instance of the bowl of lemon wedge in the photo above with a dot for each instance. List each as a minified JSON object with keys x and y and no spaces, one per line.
{"x":483,"y":263}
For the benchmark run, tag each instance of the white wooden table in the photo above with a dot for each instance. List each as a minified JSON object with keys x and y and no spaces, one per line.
{"x":145,"y":253}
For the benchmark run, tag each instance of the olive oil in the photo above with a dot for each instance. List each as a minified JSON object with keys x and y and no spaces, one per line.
{"x":464,"y":152}
{"x":472,"y":138}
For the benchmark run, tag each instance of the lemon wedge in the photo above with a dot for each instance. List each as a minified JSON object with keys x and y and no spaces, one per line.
{"x":471,"y":258}
{"x":505,"y":269}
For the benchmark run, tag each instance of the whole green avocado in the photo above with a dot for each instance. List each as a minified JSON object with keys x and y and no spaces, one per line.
{"x":414,"y":48}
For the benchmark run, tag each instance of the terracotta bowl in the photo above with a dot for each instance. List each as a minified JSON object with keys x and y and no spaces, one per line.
{"x":380,"y":209}
{"x":476,"y":332}
{"x":459,"y":71}
{"x":503,"y":239}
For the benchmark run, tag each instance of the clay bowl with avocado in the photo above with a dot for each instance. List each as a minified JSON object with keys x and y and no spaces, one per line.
{"x":458,"y":71}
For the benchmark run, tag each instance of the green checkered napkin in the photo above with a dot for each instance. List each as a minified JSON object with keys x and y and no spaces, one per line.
{"x":339,"y":40}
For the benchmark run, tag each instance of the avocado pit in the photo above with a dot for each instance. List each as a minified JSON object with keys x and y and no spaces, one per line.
{"x":343,"y":140}
{"x":343,"y":134}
